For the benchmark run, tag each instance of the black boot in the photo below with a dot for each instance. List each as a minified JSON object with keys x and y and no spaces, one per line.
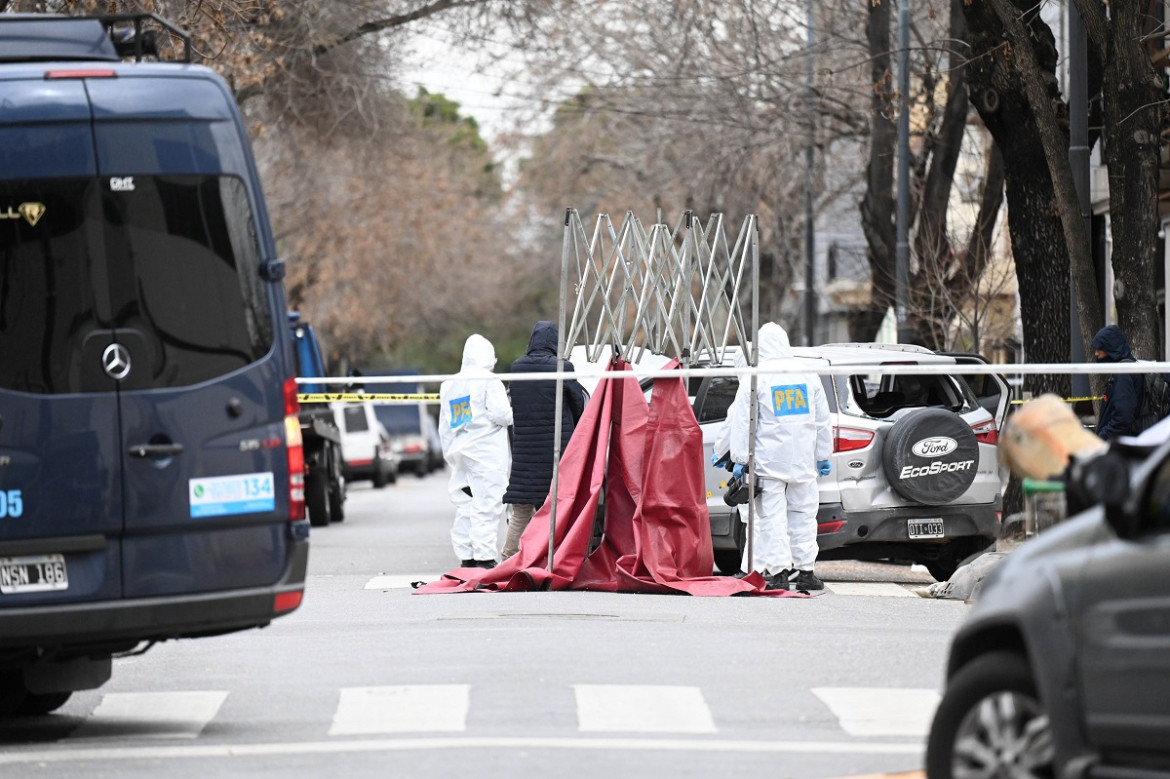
{"x":468,"y":564}
{"x":484,"y":563}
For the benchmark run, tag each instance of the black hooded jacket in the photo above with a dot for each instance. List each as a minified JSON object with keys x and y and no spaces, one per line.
{"x":534,"y":417}
{"x":1123,"y":391}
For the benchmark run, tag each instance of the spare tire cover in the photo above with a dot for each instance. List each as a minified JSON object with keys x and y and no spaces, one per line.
{"x":931,"y":456}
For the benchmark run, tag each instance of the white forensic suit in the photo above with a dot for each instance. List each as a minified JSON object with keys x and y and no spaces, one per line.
{"x":793,"y":432}
{"x":474,"y":415}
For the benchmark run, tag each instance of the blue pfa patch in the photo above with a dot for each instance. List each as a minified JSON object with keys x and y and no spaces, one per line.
{"x":247,"y":493}
{"x":790,"y":399}
{"x":460,"y":411}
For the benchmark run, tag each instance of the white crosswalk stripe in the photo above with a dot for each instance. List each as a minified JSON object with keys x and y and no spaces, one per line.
{"x":410,"y":708}
{"x":881,"y":711}
{"x":865,"y":712}
{"x":152,"y":714}
{"x":639,"y":708}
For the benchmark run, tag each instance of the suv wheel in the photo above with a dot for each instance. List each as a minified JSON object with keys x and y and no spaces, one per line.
{"x":991,"y":723}
{"x":953,"y":554}
{"x":931,"y":456}
{"x":730,"y":560}
{"x":36,"y":705}
{"x":380,"y":478}
{"x":12,"y":692}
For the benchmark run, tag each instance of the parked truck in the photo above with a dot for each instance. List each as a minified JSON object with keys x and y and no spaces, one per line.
{"x":324,"y":463}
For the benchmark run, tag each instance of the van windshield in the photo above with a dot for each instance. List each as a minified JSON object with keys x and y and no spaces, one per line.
{"x":167,"y":266}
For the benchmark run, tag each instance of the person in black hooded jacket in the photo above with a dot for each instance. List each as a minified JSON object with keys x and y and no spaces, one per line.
{"x":1123,"y":391}
{"x":534,"y":421}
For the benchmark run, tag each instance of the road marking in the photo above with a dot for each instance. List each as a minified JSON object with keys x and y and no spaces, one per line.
{"x":386,"y":582}
{"x":151,"y":715}
{"x":342,"y":746}
{"x":409,"y":708}
{"x":881,"y":711}
{"x":640,"y":708}
{"x":872,"y":589}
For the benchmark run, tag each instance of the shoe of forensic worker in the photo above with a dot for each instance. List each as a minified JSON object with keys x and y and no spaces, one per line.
{"x":806,"y":580}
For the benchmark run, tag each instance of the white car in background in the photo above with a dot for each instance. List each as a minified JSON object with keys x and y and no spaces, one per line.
{"x":916,"y":474}
{"x":365,"y":444}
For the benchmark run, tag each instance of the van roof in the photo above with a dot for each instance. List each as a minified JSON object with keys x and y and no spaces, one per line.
{"x":41,"y":38}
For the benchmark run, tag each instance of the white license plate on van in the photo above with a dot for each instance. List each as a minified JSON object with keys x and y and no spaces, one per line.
{"x":39,"y":573}
{"x":925,"y":528}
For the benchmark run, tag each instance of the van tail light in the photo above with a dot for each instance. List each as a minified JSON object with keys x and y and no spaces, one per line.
{"x":848,"y":439}
{"x":296,"y":453}
{"x":986,"y":432}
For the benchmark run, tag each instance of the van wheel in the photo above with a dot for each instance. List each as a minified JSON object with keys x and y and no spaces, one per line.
{"x":35,"y":705}
{"x":317,"y":499}
{"x":991,"y":722}
{"x":12,"y":692}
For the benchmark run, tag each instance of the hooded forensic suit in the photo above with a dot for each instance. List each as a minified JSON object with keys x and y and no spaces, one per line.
{"x":474,"y":415}
{"x":793,"y":432}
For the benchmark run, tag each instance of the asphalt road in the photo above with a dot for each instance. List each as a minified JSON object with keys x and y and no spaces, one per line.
{"x":369,"y":678}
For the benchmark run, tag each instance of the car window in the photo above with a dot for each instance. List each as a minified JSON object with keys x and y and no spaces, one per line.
{"x":172,"y":263}
{"x":713,"y":403}
{"x":891,"y":393}
{"x":355,"y":419}
{"x":403,"y":419}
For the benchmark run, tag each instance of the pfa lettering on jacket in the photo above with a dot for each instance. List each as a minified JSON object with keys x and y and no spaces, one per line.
{"x":460,"y":411}
{"x":790,"y":399}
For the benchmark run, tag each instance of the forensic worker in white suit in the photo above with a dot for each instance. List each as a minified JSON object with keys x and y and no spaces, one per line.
{"x":794,"y":440}
{"x":474,"y":416}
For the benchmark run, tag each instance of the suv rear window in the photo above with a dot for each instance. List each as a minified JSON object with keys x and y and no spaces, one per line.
{"x":154,"y":258}
{"x":355,"y":419}
{"x":891,"y":393}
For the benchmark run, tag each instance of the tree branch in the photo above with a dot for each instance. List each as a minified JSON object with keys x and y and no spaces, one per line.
{"x":423,"y":12}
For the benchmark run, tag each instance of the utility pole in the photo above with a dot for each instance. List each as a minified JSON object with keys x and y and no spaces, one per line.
{"x":810,"y":237}
{"x":902,"y":258}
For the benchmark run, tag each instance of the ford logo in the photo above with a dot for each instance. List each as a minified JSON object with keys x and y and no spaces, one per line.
{"x":935,"y":447}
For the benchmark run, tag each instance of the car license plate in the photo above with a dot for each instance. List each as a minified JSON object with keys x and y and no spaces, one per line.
{"x":925,"y":528}
{"x":39,"y":573}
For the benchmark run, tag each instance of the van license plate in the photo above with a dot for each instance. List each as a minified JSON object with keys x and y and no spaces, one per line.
{"x":40,"y":573}
{"x":925,"y":528}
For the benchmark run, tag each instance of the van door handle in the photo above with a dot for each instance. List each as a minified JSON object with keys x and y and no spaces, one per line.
{"x":155,"y":450}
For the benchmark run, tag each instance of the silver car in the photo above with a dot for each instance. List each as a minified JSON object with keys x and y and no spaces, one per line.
{"x":915,"y":472}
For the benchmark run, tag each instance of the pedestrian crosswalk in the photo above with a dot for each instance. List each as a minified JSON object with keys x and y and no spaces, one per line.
{"x":445,"y":708}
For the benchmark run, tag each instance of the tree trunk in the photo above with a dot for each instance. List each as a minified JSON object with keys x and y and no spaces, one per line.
{"x":1038,"y":245}
{"x":878,"y":207}
{"x":1134,"y":115}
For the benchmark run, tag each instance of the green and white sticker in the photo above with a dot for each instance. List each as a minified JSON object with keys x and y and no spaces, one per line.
{"x":247,"y":493}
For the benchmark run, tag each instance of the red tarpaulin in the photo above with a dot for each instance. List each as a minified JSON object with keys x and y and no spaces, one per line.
{"x":641,"y":466}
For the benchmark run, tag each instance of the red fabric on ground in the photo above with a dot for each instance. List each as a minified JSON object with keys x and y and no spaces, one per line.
{"x":647,"y":462}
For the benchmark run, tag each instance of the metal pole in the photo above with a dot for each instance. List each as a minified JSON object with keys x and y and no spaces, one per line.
{"x":902,"y":259}
{"x":1078,"y":158}
{"x":754,"y":405}
{"x":810,"y":238}
{"x":552,"y":517}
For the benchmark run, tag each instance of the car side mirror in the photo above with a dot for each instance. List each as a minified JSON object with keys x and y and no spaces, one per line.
{"x":1104,"y":479}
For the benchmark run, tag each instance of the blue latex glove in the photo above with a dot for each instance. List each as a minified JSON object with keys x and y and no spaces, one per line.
{"x":824,"y":467}
{"x":737,"y":471}
{"x":718,"y":459}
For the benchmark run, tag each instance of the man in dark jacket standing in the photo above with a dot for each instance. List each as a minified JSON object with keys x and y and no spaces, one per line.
{"x":534,"y":424}
{"x":1123,"y":391}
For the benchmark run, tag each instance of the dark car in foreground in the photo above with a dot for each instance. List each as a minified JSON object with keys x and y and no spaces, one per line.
{"x":1062,"y":668}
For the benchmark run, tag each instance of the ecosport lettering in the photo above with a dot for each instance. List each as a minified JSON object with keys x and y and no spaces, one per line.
{"x":913,"y":472}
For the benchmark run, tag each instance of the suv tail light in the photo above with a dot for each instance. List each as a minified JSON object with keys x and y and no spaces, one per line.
{"x":296,"y":452}
{"x":847,"y":439}
{"x":986,"y":432}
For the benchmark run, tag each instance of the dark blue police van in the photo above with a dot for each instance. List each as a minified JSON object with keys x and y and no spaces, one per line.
{"x":151,"y":470}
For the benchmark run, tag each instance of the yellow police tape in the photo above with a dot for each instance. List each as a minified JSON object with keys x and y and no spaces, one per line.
{"x":358,"y":397}
{"x":1066,"y":400}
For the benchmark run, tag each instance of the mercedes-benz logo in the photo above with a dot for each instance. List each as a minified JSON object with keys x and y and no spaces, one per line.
{"x":116,"y":361}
